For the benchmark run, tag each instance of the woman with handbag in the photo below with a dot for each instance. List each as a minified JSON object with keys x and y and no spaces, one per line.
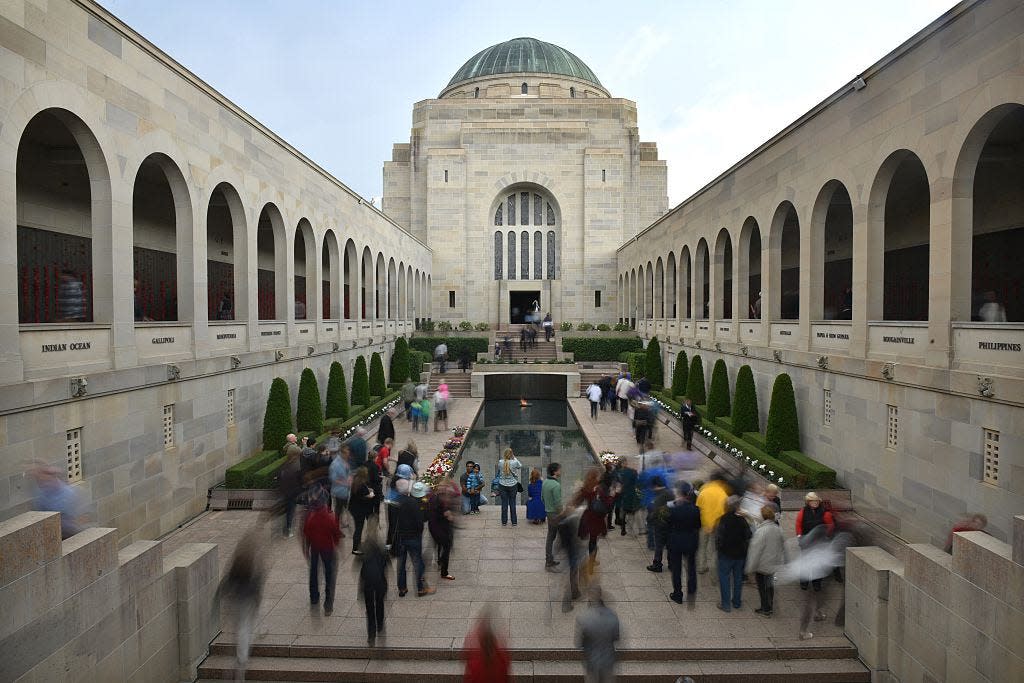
{"x":596,"y":495}
{"x":507,"y":477}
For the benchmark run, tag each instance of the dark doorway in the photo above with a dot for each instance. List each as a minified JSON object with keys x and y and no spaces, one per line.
{"x":520,"y":304}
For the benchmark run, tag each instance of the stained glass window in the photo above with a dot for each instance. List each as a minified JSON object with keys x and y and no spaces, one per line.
{"x":551,"y":250}
{"x":497,"y":214}
{"x":511,"y":252}
{"x":498,"y":253}
{"x":551,"y":215}
{"x":538,"y":210}
{"x":538,"y":254}
{"x":524,"y":208}
{"x":512,"y":209}
{"x":524,"y":254}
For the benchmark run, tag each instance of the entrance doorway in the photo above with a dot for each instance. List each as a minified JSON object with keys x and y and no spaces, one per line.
{"x":520,"y":304}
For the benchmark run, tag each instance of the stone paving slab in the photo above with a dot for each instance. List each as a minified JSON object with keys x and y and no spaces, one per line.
{"x":502,"y":569}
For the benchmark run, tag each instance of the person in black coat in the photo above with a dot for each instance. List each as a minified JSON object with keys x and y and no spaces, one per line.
{"x":690,"y":419}
{"x":682,"y":535}
{"x":373,"y":582}
{"x":386,"y":428}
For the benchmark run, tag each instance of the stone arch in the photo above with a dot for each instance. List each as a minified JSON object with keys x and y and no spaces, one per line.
{"x":380,"y":299}
{"x":723,"y":276}
{"x":634,"y":311}
{"x":331,"y":278}
{"x":649,"y":291}
{"x":671,"y":287}
{"x":59,"y":273}
{"x":304,"y":256}
{"x":367,"y":291}
{"x":350,"y":280}
{"x":748,"y":279}
{"x":831,"y":245}
{"x":162,"y":235}
{"x":403,"y":309}
{"x":686,"y":283}
{"x":898,"y":237}
{"x":659,"y":288}
{"x":392,"y":290}
{"x":988,"y":219}
{"x":784,"y":267}
{"x":271,"y":265}
{"x":702,"y":281}
{"x":227,"y":274}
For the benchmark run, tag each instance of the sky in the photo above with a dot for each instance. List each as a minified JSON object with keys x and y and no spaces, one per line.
{"x":712,"y":79}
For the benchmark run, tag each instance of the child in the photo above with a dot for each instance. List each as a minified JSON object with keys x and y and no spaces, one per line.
{"x":534,"y":505}
{"x":425,"y":414}
{"x":482,"y":498}
{"x":416,"y":414}
{"x":473,"y":484}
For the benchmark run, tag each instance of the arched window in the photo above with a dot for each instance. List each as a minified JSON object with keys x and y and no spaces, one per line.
{"x":572,"y":91}
{"x":520,"y":208}
{"x":524,"y":252}
{"x":476,"y":92}
{"x":511,"y":253}
{"x":498,"y":252}
{"x":523,"y":88}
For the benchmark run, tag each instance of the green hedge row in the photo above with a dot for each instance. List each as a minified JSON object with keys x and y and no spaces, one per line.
{"x":791,"y":477}
{"x":818,"y":476}
{"x":358,"y":414}
{"x":600,"y":348}
{"x":455,"y":345}
{"x":239,"y":475}
{"x":266,"y":477}
{"x":636,"y":362}
{"x":416,"y":361}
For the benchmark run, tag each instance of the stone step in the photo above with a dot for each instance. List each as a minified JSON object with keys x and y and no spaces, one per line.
{"x":221,"y":667}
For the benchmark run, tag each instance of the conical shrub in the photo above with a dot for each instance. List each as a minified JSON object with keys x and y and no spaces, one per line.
{"x":378,"y":387}
{"x":309,"y":415}
{"x":695,"y":390}
{"x":718,"y":397}
{"x":782,"y":433}
{"x":399,"y":370}
{"x":744,"y":403}
{"x":337,"y":393}
{"x":360,"y":384}
{"x":654,"y":367}
{"x":679,"y":375}
{"x":277,"y":419}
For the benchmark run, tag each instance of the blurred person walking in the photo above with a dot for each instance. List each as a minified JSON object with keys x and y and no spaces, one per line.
{"x":321,"y":536}
{"x":373,"y":582}
{"x":487,"y":660}
{"x":597,"y":632}
{"x":242,"y":589}
{"x":362,"y":504}
{"x":409,"y":521}
{"x":711,"y":501}
{"x":444,"y":500}
{"x":53,"y":494}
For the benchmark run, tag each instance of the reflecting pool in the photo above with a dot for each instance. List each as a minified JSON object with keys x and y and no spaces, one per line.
{"x":542,"y":432}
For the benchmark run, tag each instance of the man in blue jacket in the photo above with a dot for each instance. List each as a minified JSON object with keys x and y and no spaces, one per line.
{"x":683,"y":531}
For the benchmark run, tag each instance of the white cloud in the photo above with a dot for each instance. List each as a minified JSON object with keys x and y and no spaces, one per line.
{"x":637,"y":52}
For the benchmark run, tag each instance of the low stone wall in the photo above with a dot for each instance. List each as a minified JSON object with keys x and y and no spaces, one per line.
{"x":81,"y":609}
{"x":937,"y":617}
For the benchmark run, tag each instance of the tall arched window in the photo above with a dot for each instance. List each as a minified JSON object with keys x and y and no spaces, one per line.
{"x":511,"y":254}
{"x":524,"y":253}
{"x":519,"y":208}
{"x":498,"y":253}
{"x":523,"y":88}
{"x":572,"y":91}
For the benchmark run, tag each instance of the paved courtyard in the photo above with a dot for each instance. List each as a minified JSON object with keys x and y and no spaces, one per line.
{"x":503,"y":569}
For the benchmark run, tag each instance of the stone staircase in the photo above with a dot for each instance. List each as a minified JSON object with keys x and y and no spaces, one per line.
{"x":542,"y":351}
{"x":835,"y":661}
{"x":591,"y":372}
{"x":458,"y":381}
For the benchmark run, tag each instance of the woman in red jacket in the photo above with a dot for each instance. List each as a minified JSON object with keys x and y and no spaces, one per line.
{"x":487,"y":660}
{"x":812,"y":516}
{"x":598,"y":497}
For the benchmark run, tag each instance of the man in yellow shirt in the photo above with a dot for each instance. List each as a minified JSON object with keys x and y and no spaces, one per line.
{"x":711,"y":501}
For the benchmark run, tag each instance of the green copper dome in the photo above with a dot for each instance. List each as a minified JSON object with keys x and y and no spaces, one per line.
{"x":524,"y":55}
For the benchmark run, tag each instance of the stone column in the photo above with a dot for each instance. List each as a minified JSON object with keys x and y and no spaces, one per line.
{"x":862,"y":257}
{"x":949,"y":254}
{"x":118,"y":265}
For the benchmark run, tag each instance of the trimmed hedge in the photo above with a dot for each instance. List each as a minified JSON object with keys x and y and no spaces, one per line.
{"x":239,"y":475}
{"x":636,"y":362}
{"x":653,"y":365}
{"x":266,"y":477}
{"x":359,"y":413}
{"x":725,"y":423}
{"x":680,"y":374}
{"x":791,"y":477}
{"x":309,"y":415}
{"x":337,"y":393}
{"x":818,"y":476}
{"x":416,"y":361}
{"x":600,"y":348}
{"x":377,"y":384}
{"x":695,"y":382}
{"x":277,"y":419}
{"x":782,"y":433}
{"x":744,"y":403}
{"x":668,"y":400}
{"x":755,"y":438}
{"x":360,"y":383}
{"x":399,"y":369}
{"x":718,"y":397}
{"x":455,"y":345}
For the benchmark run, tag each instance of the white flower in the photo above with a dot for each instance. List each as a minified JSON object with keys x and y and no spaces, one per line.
{"x":781,"y":480}
{"x":771,"y":473}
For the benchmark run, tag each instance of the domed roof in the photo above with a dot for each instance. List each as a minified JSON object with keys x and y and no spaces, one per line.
{"x":524,"y":55}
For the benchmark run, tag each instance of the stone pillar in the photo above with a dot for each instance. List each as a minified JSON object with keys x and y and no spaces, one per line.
{"x":860,"y":285}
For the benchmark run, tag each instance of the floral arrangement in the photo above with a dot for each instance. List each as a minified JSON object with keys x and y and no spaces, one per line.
{"x":444,"y":462}
{"x":609,"y":458}
{"x":370,"y":418}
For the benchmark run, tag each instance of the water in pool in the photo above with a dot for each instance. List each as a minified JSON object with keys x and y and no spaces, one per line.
{"x":540,"y":433}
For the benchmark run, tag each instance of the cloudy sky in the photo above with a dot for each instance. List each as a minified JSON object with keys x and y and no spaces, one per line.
{"x":712,"y":79}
